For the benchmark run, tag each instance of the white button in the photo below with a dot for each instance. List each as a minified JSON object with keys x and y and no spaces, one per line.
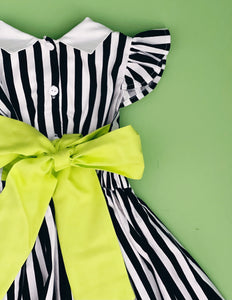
{"x":50,"y":46}
{"x":53,"y":90}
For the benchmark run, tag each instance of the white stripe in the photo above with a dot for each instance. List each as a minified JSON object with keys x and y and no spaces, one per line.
{"x":152,"y":49}
{"x":32,"y":81}
{"x":16,"y":284}
{"x":41,"y":260}
{"x":85,"y":88}
{"x":53,"y":241}
{"x":70,"y":88}
{"x":19,"y":88}
{"x":141,"y":71}
{"x":31,"y":278}
{"x":160,"y":39}
{"x":59,"y":87}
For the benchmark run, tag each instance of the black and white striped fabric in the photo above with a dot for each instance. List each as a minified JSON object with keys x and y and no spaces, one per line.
{"x":77,"y":84}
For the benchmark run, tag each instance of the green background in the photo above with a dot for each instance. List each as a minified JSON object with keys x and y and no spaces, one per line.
{"x":185,"y":124}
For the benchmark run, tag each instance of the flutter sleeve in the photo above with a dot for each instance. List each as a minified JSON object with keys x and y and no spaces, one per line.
{"x":145,"y":64}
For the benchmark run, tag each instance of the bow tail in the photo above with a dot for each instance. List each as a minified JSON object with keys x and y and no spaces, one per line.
{"x":90,"y":248}
{"x":22,"y":209}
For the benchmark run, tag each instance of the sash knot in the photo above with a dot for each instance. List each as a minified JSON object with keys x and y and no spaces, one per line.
{"x":61,"y":159}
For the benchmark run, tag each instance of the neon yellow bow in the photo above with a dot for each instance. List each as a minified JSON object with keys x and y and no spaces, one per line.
{"x":36,"y":169}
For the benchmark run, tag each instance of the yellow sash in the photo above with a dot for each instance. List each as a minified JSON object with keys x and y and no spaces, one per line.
{"x":36,"y":169}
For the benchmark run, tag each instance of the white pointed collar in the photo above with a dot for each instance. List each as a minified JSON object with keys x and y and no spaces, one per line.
{"x":85,"y":36}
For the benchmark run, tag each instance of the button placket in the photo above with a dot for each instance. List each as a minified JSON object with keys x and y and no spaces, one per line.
{"x":54,"y":90}
{"x":51,"y":46}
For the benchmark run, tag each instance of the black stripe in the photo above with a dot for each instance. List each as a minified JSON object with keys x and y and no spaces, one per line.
{"x":64,"y":83}
{"x":7,"y":104}
{"x":40,"y":87}
{"x":152,"y":33}
{"x":129,"y":81}
{"x":26,"y":85}
{"x":65,"y":290}
{"x":45,"y":244}
{"x":78,"y":91}
{"x":136,"y":292}
{"x":10,"y":82}
{"x":10,"y":292}
{"x":115,"y":69}
{"x":38,"y":275}
{"x":135,"y":75}
{"x":23,"y":285}
{"x":162,"y":46}
{"x":141,"y":58}
{"x":104,"y":80}
{"x":92,"y":92}
{"x":51,"y":204}
{"x":21,"y":282}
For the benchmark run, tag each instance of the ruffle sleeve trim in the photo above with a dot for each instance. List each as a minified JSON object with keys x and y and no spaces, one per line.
{"x":145,"y":64}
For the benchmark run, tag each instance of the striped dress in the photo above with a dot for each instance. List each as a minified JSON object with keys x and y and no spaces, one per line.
{"x":76,"y":84}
